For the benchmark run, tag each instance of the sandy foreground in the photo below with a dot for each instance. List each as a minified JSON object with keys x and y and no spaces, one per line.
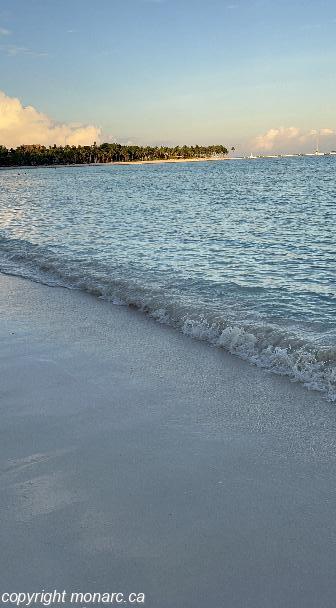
{"x":134,"y":459}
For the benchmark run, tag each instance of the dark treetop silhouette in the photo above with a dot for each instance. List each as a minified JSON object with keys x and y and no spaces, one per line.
{"x":36,"y":155}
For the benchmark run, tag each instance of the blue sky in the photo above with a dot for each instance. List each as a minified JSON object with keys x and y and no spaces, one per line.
{"x":171,"y":71}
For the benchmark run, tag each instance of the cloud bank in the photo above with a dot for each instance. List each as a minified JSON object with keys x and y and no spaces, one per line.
{"x":25,"y":125}
{"x":293,"y":139}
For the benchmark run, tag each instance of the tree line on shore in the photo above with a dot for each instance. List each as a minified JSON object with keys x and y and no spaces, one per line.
{"x":36,"y":155}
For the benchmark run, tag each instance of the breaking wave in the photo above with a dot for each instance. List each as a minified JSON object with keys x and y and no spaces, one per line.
{"x":268,"y":345}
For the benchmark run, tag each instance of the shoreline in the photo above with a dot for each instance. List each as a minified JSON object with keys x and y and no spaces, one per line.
{"x":167,"y":160}
{"x":164,"y":161}
{"x":305,"y":377}
{"x":133,"y":454}
{"x":127,"y":162}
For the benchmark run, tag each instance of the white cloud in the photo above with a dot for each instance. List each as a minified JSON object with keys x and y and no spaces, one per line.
{"x":25,"y":125}
{"x":290,"y":139}
{"x":4,"y":32}
{"x":327,"y":132}
{"x":274,"y":137}
{"x":12,"y":50}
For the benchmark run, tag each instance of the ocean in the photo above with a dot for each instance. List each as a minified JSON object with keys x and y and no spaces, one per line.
{"x":240,"y":253}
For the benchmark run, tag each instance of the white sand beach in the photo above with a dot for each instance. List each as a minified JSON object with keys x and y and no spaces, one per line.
{"x":169,"y":160}
{"x":135,"y":459}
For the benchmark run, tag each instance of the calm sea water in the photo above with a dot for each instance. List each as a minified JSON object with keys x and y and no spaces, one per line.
{"x":241,"y":254}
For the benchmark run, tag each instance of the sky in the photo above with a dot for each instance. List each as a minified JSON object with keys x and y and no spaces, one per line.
{"x":259,"y":75}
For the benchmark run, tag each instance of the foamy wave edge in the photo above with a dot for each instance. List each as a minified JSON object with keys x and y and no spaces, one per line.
{"x":264,"y":345}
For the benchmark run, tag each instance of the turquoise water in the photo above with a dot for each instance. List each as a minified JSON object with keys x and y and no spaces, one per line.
{"x":241,"y":254}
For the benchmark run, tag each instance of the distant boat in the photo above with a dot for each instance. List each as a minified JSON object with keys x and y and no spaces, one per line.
{"x":252,"y":156}
{"x":317,"y":151}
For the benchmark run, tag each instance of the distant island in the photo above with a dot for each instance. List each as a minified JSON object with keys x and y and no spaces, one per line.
{"x":37,"y":155}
